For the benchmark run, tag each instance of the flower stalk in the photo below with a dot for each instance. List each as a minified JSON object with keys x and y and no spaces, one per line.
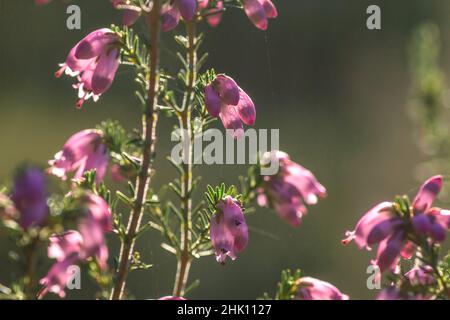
{"x":149,"y":137}
{"x":184,"y":257}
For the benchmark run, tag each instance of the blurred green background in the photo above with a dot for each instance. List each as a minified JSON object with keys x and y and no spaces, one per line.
{"x":337,"y":91}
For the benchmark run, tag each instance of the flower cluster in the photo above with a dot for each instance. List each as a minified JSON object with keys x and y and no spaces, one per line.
{"x":399,"y":231}
{"x":74,"y":247}
{"x":290,"y":189}
{"x":225,"y":99}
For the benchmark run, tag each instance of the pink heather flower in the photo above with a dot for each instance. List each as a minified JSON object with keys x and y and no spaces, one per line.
{"x":213,"y":15}
{"x":83,"y":151}
{"x":229,"y":232}
{"x":131,"y":13}
{"x":63,"y":246}
{"x":384,"y":226}
{"x":259,"y":11}
{"x":30,"y":197}
{"x":171,"y":13}
{"x":421,"y":275}
{"x":74,"y":247}
{"x":93,"y":226}
{"x":290,"y":189}
{"x":172,"y":298}
{"x":94,"y":61}
{"x":225,"y":99}
{"x":57,"y":278}
{"x":314,"y":289}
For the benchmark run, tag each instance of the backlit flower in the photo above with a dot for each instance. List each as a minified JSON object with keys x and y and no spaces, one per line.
{"x":83,"y":151}
{"x":94,"y":61}
{"x":229,"y":232}
{"x":290,"y":189}
{"x":259,"y":11}
{"x":314,"y":289}
{"x":225,"y":99}
{"x":386,"y":226}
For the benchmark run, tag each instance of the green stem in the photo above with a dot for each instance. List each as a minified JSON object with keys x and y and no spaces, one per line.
{"x":185,"y":258}
{"x":149,"y":137}
{"x":31,"y":257}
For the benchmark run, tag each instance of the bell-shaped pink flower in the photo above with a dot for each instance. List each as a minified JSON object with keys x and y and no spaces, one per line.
{"x":93,"y":226}
{"x":30,"y":197}
{"x":83,"y":151}
{"x":259,"y":11}
{"x":131,"y":13}
{"x":225,"y":99}
{"x":63,"y":246}
{"x":94,"y":61}
{"x":57,"y":278}
{"x":290,"y":189}
{"x":229,"y":231}
{"x":314,"y":289}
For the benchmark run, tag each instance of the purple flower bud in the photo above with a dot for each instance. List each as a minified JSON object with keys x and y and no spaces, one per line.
{"x":229,"y":232}
{"x":83,"y":151}
{"x":314,"y":289}
{"x":30,"y":197}
{"x":187,"y":8}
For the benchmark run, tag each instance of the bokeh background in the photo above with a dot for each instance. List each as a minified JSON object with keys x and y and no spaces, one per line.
{"x":337,"y":91}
